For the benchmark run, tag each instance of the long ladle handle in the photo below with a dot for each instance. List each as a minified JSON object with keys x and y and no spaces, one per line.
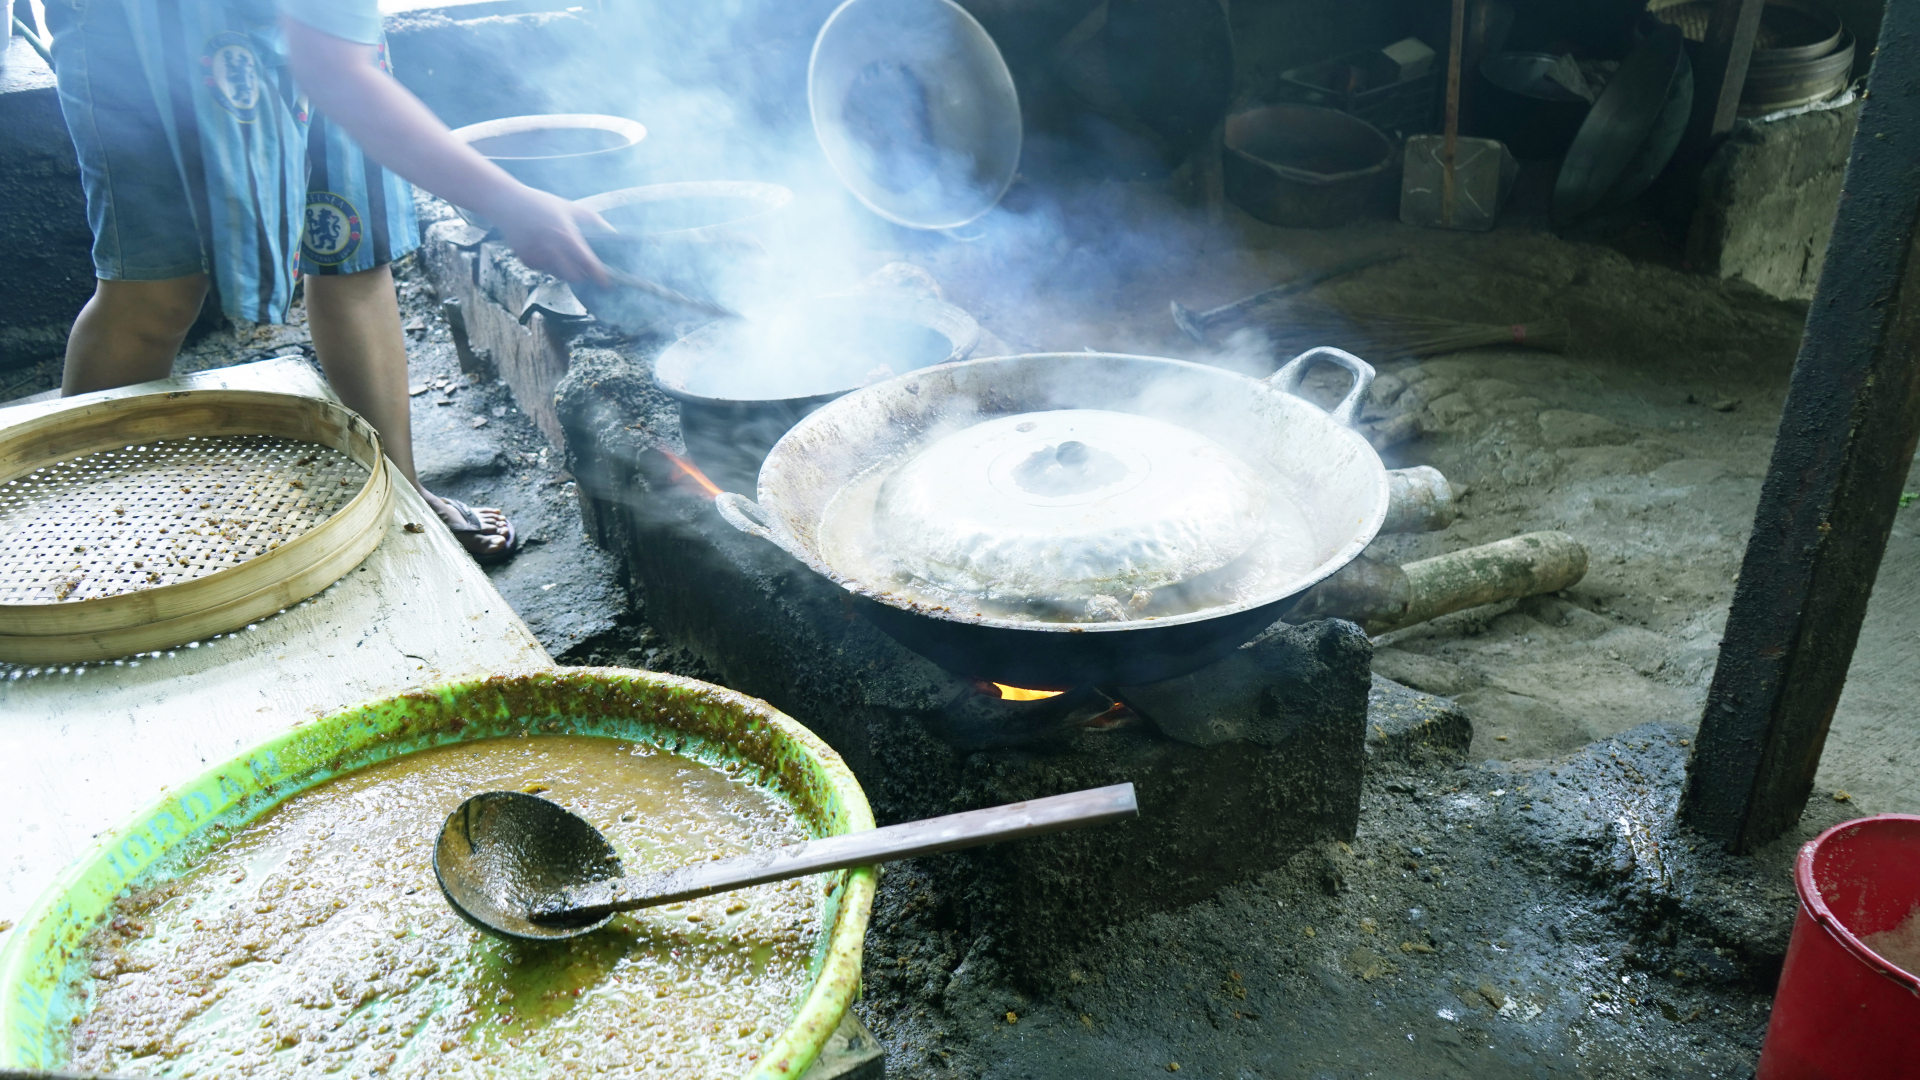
{"x":973,"y":828}
{"x":653,"y":288}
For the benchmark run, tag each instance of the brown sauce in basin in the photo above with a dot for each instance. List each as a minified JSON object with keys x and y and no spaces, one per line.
{"x":315,"y":942}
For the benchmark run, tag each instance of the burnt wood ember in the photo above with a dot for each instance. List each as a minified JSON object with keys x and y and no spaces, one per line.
{"x":1261,"y":693}
{"x":984,"y":719}
{"x":1384,"y":598}
{"x":1237,"y":767}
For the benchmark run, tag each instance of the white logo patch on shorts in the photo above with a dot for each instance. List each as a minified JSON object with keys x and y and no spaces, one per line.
{"x":232,"y":72}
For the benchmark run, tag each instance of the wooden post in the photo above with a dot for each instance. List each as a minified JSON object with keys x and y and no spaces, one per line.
{"x":1845,"y":444}
{"x":1213,"y":176}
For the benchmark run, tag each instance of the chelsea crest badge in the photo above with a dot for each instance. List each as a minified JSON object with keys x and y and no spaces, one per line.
{"x":332,"y":232}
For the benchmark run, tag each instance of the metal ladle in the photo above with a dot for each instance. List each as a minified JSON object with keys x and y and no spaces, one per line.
{"x":653,"y":288}
{"x":520,"y":866}
{"x":627,"y":280}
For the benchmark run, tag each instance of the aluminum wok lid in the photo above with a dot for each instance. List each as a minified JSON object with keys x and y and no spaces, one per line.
{"x":1070,"y":505}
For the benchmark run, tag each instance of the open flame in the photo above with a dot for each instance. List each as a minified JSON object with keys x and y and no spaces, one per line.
{"x":687,"y":470}
{"x":1021,"y":693}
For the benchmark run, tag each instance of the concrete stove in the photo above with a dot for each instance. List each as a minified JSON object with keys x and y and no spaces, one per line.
{"x":1238,"y":767}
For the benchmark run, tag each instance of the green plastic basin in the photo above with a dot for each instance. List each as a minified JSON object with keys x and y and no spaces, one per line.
{"x":43,"y":966}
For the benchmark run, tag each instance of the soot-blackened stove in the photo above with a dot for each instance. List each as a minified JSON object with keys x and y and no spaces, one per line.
{"x":1238,"y":766}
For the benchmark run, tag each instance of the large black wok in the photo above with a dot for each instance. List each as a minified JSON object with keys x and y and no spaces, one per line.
{"x":1314,"y":458}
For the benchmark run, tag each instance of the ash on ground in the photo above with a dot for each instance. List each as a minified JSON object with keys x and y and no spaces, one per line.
{"x":1487,"y":922}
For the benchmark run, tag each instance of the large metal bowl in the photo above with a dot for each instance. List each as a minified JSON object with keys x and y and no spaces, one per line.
{"x":43,"y":966}
{"x":1519,"y":105}
{"x":742,"y":383}
{"x":808,"y":352}
{"x":1303,"y":166}
{"x":1315,"y":457}
{"x":570,"y":154}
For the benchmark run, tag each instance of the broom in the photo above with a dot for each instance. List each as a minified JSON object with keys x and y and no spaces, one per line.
{"x":1394,"y":337}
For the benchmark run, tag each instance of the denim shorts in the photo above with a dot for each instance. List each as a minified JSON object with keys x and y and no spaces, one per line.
{"x":198,"y":154}
{"x":137,"y":203}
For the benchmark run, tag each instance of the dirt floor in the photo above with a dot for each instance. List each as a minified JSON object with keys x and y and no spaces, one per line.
{"x":1526,"y":912}
{"x":1646,"y":441}
{"x":1489,"y":922}
{"x":1573,"y":931}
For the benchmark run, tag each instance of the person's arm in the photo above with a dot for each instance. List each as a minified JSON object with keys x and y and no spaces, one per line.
{"x":396,"y":129}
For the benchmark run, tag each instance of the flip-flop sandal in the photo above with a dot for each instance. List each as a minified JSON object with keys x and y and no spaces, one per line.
{"x":473,"y":524}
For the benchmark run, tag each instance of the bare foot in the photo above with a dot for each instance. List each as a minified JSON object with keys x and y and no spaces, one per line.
{"x":488,"y":538}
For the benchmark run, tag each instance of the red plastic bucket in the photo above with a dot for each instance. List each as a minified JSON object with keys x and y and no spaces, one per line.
{"x":1842,"y":1012}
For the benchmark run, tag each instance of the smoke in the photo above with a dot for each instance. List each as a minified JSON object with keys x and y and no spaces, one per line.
{"x":1072,"y":258}
{"x":1080,"y":252}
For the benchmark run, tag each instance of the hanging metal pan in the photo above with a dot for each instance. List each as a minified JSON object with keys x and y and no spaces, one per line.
{"x":1617,"y":127}
{"x":915,"y":109}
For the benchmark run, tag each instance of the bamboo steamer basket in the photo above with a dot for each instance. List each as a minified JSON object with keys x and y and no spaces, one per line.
{"x":143,"y":617}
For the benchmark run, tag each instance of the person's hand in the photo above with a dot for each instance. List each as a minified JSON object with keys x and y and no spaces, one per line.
{"x":545,"y":232}
{"x":395,"y":129}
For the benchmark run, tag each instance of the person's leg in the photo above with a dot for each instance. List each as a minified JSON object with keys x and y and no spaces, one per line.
{"x":147,"y":260}
{"x":129,"y":332}
{"x":355,"y":323}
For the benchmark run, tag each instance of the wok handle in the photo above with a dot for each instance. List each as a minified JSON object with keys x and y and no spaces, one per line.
{"x":1293,"y":371}
{"x":744,"y":514}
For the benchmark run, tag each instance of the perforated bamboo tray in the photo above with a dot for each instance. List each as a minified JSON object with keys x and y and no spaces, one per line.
{"x":206,"y":516}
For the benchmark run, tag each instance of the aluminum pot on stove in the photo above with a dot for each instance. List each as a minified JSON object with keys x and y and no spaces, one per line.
{"x":742,"y":383}
{"x":706,"y":239}
{"x":1063,"y":518}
